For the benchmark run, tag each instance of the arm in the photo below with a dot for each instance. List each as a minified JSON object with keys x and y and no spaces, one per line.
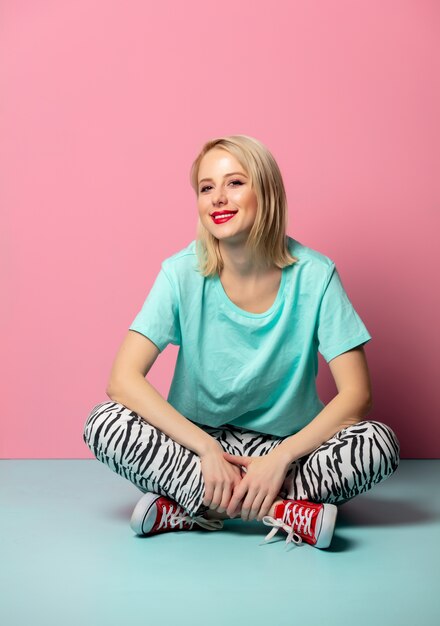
{"x":128,"y":386}
{"x":351,"y":404}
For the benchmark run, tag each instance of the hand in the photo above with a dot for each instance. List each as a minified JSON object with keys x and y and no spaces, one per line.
{"x":220,"y":478}
{"x":260,"y":486}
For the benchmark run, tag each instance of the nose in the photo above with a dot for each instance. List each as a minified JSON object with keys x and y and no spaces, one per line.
{"x":219,"y":197}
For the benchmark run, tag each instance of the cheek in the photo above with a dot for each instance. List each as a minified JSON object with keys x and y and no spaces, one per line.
{"x":249,"y":199}
{"x":202,"y":207}
{"x":242,"y":198}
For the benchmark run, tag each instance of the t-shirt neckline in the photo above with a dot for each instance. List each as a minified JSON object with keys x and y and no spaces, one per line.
{"x":279,"y":297}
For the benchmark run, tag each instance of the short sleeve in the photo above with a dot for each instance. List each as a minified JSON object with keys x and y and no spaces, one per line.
{"x":339,"y":327}
{"x":158,"y":318}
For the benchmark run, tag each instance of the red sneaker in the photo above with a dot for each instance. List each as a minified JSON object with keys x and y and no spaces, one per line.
{"x":157,"y":514}
{"x":304,"y":521}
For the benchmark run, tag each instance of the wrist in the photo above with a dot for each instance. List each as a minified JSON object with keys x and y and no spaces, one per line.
{"x":209,"y":446}
{"x":284,"y":453}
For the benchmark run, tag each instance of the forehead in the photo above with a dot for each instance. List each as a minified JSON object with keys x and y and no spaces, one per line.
{"x":219,"y":160}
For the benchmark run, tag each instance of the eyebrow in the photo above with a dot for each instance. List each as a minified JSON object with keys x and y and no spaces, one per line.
{"x":229,"y":174}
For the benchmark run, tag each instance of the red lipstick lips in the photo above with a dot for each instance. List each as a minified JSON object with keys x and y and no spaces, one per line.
{"x":219,"y":217}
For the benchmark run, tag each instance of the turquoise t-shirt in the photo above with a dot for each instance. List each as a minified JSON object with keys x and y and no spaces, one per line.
{"x":252,"y":370}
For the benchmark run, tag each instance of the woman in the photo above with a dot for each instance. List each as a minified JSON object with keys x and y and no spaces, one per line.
{"x":243,"y":432}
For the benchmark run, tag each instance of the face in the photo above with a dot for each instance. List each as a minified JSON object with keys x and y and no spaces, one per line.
{"x":225,"y":187}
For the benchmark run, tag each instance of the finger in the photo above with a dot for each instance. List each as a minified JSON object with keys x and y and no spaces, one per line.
{"x":238,"y":476}
{"x":209,"y":492}
{"x":216,"y":498}
{"x":247,"y":504}
{"x":237,"y":496}
{"x":236,"y":511}
{"x":265,"y":507}
{"x":256,"y":505}
{"x":225,"y":499}
{"x":233,"y":459}
{"x":237,"y":459}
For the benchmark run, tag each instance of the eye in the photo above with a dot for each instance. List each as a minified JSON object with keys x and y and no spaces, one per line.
{"x":231,"y":183}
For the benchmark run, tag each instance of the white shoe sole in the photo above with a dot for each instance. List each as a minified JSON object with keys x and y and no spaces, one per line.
{"x":328,"y":521}
{"x":139,"y":521}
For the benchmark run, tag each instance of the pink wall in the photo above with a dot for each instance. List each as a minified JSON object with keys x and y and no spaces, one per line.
{"x":104,"y":106}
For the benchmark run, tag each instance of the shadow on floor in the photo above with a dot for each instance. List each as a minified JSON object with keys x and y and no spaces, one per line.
{"x":371,"y":511}
{"x":364,"y":510}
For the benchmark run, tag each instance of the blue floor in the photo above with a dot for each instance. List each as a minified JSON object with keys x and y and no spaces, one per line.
{"x":68,"y":556}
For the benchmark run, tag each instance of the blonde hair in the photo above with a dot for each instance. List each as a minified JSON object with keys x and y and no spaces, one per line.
{"x":267,"y":241}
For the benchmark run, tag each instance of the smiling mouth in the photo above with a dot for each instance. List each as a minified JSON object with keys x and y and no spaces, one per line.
{"x":225,"y":217}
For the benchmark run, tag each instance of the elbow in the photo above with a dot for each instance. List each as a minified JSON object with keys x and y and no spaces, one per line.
{"x":355,"y":407}
{"x":115,"y":385}
{"x":110,"y":391}
{"x":365,"y":408}
{"x":368,"y":401}
{"x":361,"y":405}
{"x":369,"y":408}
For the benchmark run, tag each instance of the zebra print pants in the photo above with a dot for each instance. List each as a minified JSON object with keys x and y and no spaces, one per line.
{"x":350,"y":463}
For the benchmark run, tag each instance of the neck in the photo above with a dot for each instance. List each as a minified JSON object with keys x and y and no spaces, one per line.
{"x":236,"y":262}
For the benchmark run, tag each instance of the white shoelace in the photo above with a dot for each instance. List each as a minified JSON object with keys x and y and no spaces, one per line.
{"x":299,"y":519}
{"x":177,"y":518}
